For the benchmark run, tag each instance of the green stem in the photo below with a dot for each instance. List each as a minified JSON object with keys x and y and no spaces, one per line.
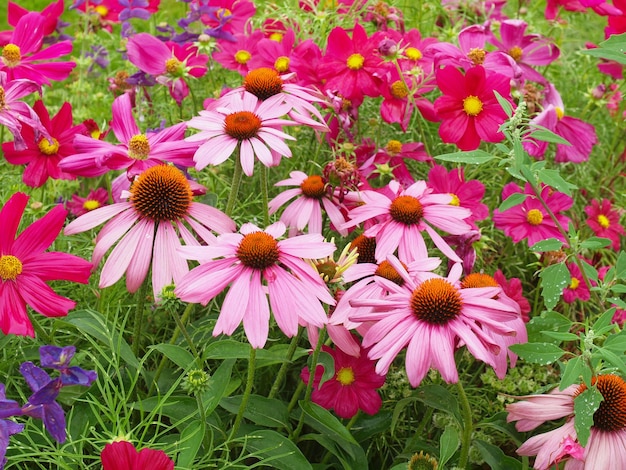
{"x":264,"y":194}
{"x":141,"y":301}
{"x":234,"y":187}
{"x":282,"y":372}
{"x":467,"y":426}
{"x":296,"y":396}
{"x":181,"y":327}
{"x":205,"y":437}
{"x":246,"y":393}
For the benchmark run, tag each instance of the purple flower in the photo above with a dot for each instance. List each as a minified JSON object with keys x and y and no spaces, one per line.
{"x":58,"y":358}
{"x":7,"y":427}
{"x":134,"y":9}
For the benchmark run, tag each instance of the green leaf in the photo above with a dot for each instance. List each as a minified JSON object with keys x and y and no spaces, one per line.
{"x":604,"y":320}
{"x":178,"y":408}
{"x":616,"y":343}
{"x":472,"y":157}
{"x":620,"y":266}
{"x":545,"y":135}
{"x":190,"y":442}
{"x":613,"y":359}
{"x":585,"y":405}
{"x":554,"y":179}
{"x":590,"y":271}
{"x":267,"y":412}
{"x":328,"y":364}
{"x":495,"y":458}
{"x":448,"y":444}
{"x":573,"y":370}
{"x":538,"y":353}
{"x":398,"y":409}
{"x":505,"y":105}
{"x":547,"y":321}
{"x":179,"y":356}
{"x":440,"y":398}
{"x":219,"y":386}
{"x":512,"y":201}
{"x":595,"y":243}
{"x":562,"y":336}
{"x":618,"y":288}
{"x":551,"y":244}
{"x":275,"y":450}
{"x":230,"y":349}
{"x":554,"y":279}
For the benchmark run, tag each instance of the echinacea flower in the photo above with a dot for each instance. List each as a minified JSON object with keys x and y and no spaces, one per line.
{"x":245,"y":122}
{"x":256,"y":264}
{"x":159,"y":210}
{"x":607,"y":440}
{"x":353,"y":386}
{"x":530,"y":219}
{"x":81,"y":205}
{"x":25,"y":267}
{"x":430,"y":319}
{"x":604,"y":221}
{"x":122,"y":455}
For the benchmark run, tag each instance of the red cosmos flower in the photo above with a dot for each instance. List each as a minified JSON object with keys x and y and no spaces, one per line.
{"x":352,"y":388}
{"x":604,"y":221}
{"x":469,"y":109}
{"x":122,"y":455}
{"x":41,"y":155}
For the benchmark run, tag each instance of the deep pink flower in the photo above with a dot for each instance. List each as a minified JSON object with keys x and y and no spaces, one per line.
{"x":275,"y":53}
{"x":352,"y":387}
{"x":305,"y":62}
{"x":604,"y":221}
{"x":391,"y":159}
{"x":159,"y":212}
{"x":617,"y":22}
{"x":469,"y":109}
{"x":530,"y":219}
{"x":122,"y":455}
{"x":513,"y":289}
{"x":237,"y":55}
{"x":114,"y":11}
{"x":26,"y":266}
{"x":81,"y":205}
{"x":230,"y":16}
{"x":51,"y":13}
{"x":42,"y":155}
{"x":23,"y":57}
{"x":600,"y":7}
{"x":257,"y":265}
{"x":577,"y":288}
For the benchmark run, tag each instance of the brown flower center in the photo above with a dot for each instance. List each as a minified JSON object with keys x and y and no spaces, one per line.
{"x":161,"y":193}
{"x":48,"y":148}
{"x":478,"y":280}
{"x":12,"y":55}
{"x":138,"y":147}
{"x":365,"y":247}
{"x":242,"y":125}
{"x":436,"y":301}
{"x":263,"y":83}
{"x":386,"y":270}
{"x":313,"y":187}
{"x":406,"y":210}
{"x":611,"y":415}
{"x":258,"y":250}
{"x":10,"y":267}
{"x":3,"y":102}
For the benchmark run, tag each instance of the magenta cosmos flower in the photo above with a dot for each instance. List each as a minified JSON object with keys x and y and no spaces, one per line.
{"x":149,"y":226}
{"x":23,"y":57}
{"x":25,"y":267}
{"x":257,"y":265}
{"x":51,"y":13}
{"x":530,"y":219}
{"x":604,"y":221}
{"x":122,"y":455}
{"x":606,"y":444}
{"x":468,"y":108}
{"x":42,"y":155}
{"x":577,"y":288}
{"x":242,"y":121}
{"x":236,"y":55}
{"x":136,"y":151}
{"x":81,"y":205}
{"x":353,"y":387}
{"x":431,"y":318}
{"x":401,"y":215}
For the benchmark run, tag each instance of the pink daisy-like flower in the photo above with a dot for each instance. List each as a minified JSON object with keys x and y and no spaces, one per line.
{"x":607,"y":441}
{"x":81,"y":205}
{"x":604,"y":221}
{"x":403,"y":214}
{"x":230,"y":16}
{"x":577,"y":288}
{"x":391,"y":159}
{"x":275,"y":53}
{"x":530,"y":219}
{"x":122,"y":455}
{"x":26,"y":266}
{"x":136,"y":151}
{"x":242,"y":121}
{"x":236,"y":55}
{"x":51,"y":13}
{"x":469,"y":109}
{"x":42,"y":155}
{"x":257,"y":265}
{"x":23,"y":58}
{"x":430,"y":319}
{"x":148,"y":227}
{"x":513,"y":289}
{"x":352,"y":387}
{"x":312,"y":196}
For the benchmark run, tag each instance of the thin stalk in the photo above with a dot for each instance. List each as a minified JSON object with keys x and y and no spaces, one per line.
{"x":264,"y":194}
{"x":282,"y":372}
{"x":205,"y":437}
{"x":234,"y":187}
{"x":141,"y":301}
{"x":246,"y":393}
{"x":296,"y":396}
{"x":466,"y":437}
{"x":181,"y":327}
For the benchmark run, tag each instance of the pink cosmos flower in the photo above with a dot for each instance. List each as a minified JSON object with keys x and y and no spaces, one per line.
{"x":81,"y":205}
{"x":530,"y":219}
{"x":136,"y":151}
{"x":513,"y":289}
{"x":114,"y":11}
{"x":305,"y":62}
{"x":257,"y":265}
{"x":391,"y":159}
{"x":23,"y":58}
{"x":600,"y":7}
{"x":26,"y":266}
{"x":430,"y":319}
{"x":275,"y":53}
{"x":607,"y":441}
{"x":51,"y":13}
{"x":469,"y":109}
{"x":236,"y":55}
{"x":352,"y":387}
{"x":230,"y":16}
{"x":148,"y":226}
{"x":403,"y":214}
{"x":617,"y":22}
{"x":42,"y":155}
{"x":577,"y":288}
{"x":581,"y":135}
{"x":604,"y":221}
{"x":242,"y":121}
{"x":122,"y":455}
{"x":312,"y":196}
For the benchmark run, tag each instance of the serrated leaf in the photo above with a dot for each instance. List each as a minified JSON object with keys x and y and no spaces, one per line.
{"x":554,"y":179}
{"x":573,"y":370}
{"x":551,"y":244}
{"x":538,"y":353}
{"x":595,"y":242}
{"x":585,"y":405}
{"x":448,"y":444}
{"x":512,"y":201}
{"x":475,"y":157}
{"x":554,"y":279}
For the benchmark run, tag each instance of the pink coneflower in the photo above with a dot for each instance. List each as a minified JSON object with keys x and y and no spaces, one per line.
{"x":236,"y":55}
{"x":136,"y":151}
{"x":242,"y":121}
{"x":403,"y":214}
{"x":312,"y":196}
{"x":577,"y":288}
{"x":159,"y":210}
{"x":42,"y":155}
{"x":122,"y":455}
{"x":469,"y":109}
{"x":352,"y":387}
{"x":23,"y":58}
{"x":607,"y":441}
{"x":25,"y":267}
{"x":604,"y":221}
{"x":430,"y":319}
{"x":81,"y":205}
{"x":257,"y":265}
{"x":530,"y":219}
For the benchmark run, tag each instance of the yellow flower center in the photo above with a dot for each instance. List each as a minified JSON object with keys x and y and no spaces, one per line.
{"x":161,"y":193}
{"x":355,"y":62}
{"x":242,"y":57}
{"x":472,"y":105}
{"x":11,"y":55}
{"x":477,"y":55}
{"x":455,"y":200}
{"x":278,"y":37}
{"x":90,"y":204}
{"x":406,"y":210}
{"x":263,"y":83}
{"x":258,"y":250}
{"x":223,"y":13}
{"x":138,"y":147}
{"x":516,"y":53}
{"x":574,"y":283}
{"x":399,"y":90}
{"x":242,"y":125}
{"x":345,"y":376}
{"x":282,"y":64}
{"x":48,"y":148}
{"x":534,"y":217}
{"x":393,"y":147}
{"x":102,"y":10}
{"x":559,"y":113}
{"x":173,"y":66}
{"x":413,"y":53}
{"x":611,"y":415}
{"x":603,"y":220}
{"x":313,"y":187}
{"x":478,"y":280}
{"x":10,"y":267}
